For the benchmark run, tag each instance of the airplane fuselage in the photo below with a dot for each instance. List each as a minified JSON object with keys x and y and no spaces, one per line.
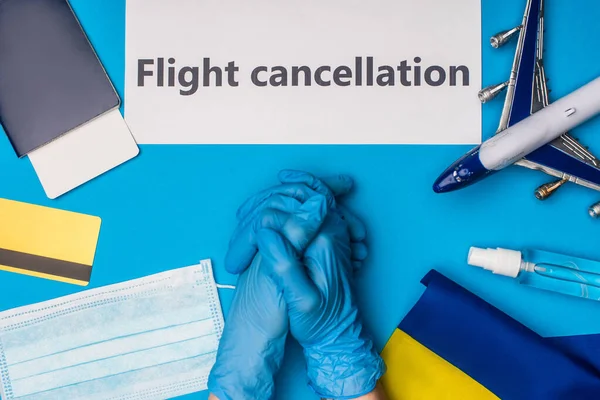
{"x":522,"y":138}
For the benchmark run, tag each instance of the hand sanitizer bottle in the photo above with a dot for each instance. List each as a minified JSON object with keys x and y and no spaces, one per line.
{"x":543,"y":270}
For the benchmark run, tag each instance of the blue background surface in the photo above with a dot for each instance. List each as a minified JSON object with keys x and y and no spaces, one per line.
{"x":174,"y":205}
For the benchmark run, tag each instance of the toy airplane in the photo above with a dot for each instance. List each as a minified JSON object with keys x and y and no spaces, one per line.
{"x":532,"y":132}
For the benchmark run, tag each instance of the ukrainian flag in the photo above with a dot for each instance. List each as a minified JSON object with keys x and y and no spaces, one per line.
{"x":453,"y":345}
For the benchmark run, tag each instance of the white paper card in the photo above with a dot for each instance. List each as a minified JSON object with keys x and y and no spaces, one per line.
{"x":84,"y":154}
{"x":303,"y":71}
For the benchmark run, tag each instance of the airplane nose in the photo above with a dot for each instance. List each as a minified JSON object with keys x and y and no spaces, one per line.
{"x":464,"y":172}
{"x":445,"y":183}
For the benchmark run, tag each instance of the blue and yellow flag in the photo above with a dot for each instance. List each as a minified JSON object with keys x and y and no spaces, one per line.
{"x":453,"y":345}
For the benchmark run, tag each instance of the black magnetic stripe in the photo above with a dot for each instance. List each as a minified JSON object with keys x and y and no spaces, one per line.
{"x":45,"y":265}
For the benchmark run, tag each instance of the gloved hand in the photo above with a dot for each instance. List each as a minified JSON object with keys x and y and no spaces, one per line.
{"x":317,"y":287}
{"x":296,"y":189}
{"x":252,"y":346}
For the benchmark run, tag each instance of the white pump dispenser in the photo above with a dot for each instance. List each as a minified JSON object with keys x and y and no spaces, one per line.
{"x":499,"y":261}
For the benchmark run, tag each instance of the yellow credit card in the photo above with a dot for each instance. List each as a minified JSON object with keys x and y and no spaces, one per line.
{"x":47,"y":243}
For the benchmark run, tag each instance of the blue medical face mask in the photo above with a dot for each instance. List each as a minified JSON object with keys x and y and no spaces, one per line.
{"x":150,"y":338}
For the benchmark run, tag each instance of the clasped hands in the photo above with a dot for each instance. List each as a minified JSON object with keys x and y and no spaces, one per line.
{"x":296,"y":250}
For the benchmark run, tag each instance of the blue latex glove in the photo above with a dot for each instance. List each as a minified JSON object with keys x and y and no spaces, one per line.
{"x":252,"y":347}
{"x":296,"y":189}
{"x":317,"y":287}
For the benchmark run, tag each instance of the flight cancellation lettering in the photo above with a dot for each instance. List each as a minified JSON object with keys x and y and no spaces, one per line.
{"x":364,"y":71}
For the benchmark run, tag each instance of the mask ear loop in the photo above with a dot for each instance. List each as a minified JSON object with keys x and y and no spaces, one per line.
{"x":208,"y":265}
{"x":225,"y":286}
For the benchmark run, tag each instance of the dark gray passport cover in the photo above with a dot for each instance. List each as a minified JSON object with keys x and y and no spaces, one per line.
{"x":51,"y":80}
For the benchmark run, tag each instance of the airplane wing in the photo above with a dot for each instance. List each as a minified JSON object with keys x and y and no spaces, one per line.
{"x":564,"y":158}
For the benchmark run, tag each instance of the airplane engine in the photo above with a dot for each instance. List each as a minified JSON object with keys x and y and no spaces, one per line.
{"x":489,"y":93}
{"x":595,"y":210}
{"x":548,"y":189}
{"x":501,"y":38}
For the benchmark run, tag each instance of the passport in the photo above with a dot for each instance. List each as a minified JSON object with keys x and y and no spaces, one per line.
{"x":51,"y":80}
